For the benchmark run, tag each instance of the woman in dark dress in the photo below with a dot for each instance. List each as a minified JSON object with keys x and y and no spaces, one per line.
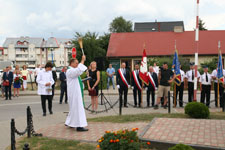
{"x":93,"y":85}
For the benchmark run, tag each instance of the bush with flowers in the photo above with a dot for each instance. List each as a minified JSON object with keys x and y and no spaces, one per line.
{"x":120,"y":140}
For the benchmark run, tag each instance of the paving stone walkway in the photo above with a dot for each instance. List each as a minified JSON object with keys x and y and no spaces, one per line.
{"x":96,"y":130}
{"x":187,"y":131}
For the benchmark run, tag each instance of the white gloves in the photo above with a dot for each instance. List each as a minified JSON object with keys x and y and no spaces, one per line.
{"x":132,"y":87}
{"x":128,"y":86}
{"x":146,"y":89}
{"x":118,"y":86}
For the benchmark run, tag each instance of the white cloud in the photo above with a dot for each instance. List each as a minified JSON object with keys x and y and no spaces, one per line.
{"x":63,"y":18}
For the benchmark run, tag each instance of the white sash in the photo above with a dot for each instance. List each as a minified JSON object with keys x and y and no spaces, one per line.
{"x":151,"y":81}
{"x":136,"y":80}
{"x":123,"y":78}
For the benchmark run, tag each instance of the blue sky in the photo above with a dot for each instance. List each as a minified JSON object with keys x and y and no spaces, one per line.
{"x":62,"y":18}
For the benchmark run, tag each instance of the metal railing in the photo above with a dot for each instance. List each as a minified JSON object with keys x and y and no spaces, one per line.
{"x":29,"y":130}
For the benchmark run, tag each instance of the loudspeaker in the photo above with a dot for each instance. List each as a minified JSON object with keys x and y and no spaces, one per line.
{"x":100,"y":63}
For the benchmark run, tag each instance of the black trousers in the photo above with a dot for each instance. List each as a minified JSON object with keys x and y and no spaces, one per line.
{"x":53,"y":90}
{"x":43,"y":102}
{"x":151,"y":92}
{"x":62,"y":91}
{"x":123,"y":90}
{"x":190,"y":91}
{"x":180,"y":90}
{"x":221,"y":90}
{"x":8,"y":91}
{"x":205,"y":93}
{"x":135,"y":91}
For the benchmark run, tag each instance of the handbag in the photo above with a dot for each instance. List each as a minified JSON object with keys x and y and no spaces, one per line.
{"x":5,"y":83}
{"x":92,"y":92}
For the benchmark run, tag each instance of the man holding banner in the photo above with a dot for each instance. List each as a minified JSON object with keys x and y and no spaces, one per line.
{"x":136,"y":85}
{"x":123,"y":82}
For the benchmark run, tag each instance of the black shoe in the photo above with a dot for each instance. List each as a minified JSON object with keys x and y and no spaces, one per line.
{"x":135,"y":106}
{"x":60,"y":102}
{"x":126,"y":106}
{"x":51,"y":112}
{"x":10,"y":99}
{"x":66,"y":103}
{"x":81,"y":129}
{"x":165,"y":107}
{"x":6,"y":99}
{"x":44,"y":114}
{"x":156,"y":107}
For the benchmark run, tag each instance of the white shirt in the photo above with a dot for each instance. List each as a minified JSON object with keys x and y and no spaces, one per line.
{"x":182,"y":75}
{"x":37,"y":70}
{"x":189,"y":75}
{"x":203,"y":79}
{"x":43,"y":78}
{"x":156,"y":69}
{"x":214,"y":74}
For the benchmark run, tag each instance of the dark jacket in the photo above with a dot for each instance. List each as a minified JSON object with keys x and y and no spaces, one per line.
{"x":54,"y":76}
{"x":9,"y":77}
{"x":133,"y":82}
{"x":155,"y":78}
{"x":62,"y":78}
{"x":119,"y":81}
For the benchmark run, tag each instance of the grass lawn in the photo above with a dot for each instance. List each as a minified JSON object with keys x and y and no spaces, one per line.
{"x":43,"y":143}
{"x":148,"y":117}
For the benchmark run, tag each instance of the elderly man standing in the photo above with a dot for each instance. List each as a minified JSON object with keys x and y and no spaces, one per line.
{"x":123,"y":82}
{"x":76,"y":117}
{"x":152,"y":86}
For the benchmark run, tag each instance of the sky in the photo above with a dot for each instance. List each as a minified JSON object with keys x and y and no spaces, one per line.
{"x":62,"y":18}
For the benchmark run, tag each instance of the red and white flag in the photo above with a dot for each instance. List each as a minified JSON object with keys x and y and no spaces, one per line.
{"x":144,"y":69}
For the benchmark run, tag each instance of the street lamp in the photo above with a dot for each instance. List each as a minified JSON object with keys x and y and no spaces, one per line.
{"x":51,"y":48}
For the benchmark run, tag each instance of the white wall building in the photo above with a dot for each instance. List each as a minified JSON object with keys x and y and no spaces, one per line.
{"x":32,"y":51}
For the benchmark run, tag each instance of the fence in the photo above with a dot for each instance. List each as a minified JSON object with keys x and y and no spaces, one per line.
{"x":29,"y":130}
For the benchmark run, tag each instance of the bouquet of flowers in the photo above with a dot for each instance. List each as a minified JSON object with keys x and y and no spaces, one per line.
{"x":18,"y":80}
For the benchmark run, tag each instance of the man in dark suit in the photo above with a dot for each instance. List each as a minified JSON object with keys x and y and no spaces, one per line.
{"x":54,"y":76}
{"x":123,"y":82}
{"x":63,"y":86}
{"x":8,"y":77}
{"x":152,"y":86}
{"x":136,"y":85}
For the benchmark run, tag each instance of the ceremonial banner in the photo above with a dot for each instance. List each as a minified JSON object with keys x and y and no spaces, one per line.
{"x":176,"y":65}
{"x":144,"y":69}
{"x":220,"y":69}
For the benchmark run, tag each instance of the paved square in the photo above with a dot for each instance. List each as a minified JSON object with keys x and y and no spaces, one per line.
{"x":96,"y":130}
{"x":188,"y":131}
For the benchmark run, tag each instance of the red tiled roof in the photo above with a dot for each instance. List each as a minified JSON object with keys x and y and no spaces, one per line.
{"x":1,"y":48}
{"x":162,"y":43}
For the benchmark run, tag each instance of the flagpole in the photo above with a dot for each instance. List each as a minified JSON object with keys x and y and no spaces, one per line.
{"x":174,"y":89}
{"x":196,"y":54}
{"x":218,"y":83}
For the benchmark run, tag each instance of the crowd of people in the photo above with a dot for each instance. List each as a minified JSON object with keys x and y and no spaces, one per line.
{"x":15,"y":79}
{"x":160,"y":79}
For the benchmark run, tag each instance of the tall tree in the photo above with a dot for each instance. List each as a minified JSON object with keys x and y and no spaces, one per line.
{"x":119,"y":24}
{"x":201,"y":25}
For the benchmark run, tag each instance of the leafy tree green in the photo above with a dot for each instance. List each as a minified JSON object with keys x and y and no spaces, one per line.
{"x":119,"y":24}
{"x":202,"y":25}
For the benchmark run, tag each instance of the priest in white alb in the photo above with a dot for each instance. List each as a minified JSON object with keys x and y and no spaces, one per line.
{"x":76,"y":117}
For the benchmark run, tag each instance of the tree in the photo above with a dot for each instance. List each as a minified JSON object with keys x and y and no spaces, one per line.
{"x":91,"y":45}
{"x":201,"y":25}
{"x":119,"y":24}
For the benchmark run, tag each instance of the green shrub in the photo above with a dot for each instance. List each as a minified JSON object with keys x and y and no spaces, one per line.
{"x":181,"y":147}
{"x":197,"y":110}
{"x":120,"y":140}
